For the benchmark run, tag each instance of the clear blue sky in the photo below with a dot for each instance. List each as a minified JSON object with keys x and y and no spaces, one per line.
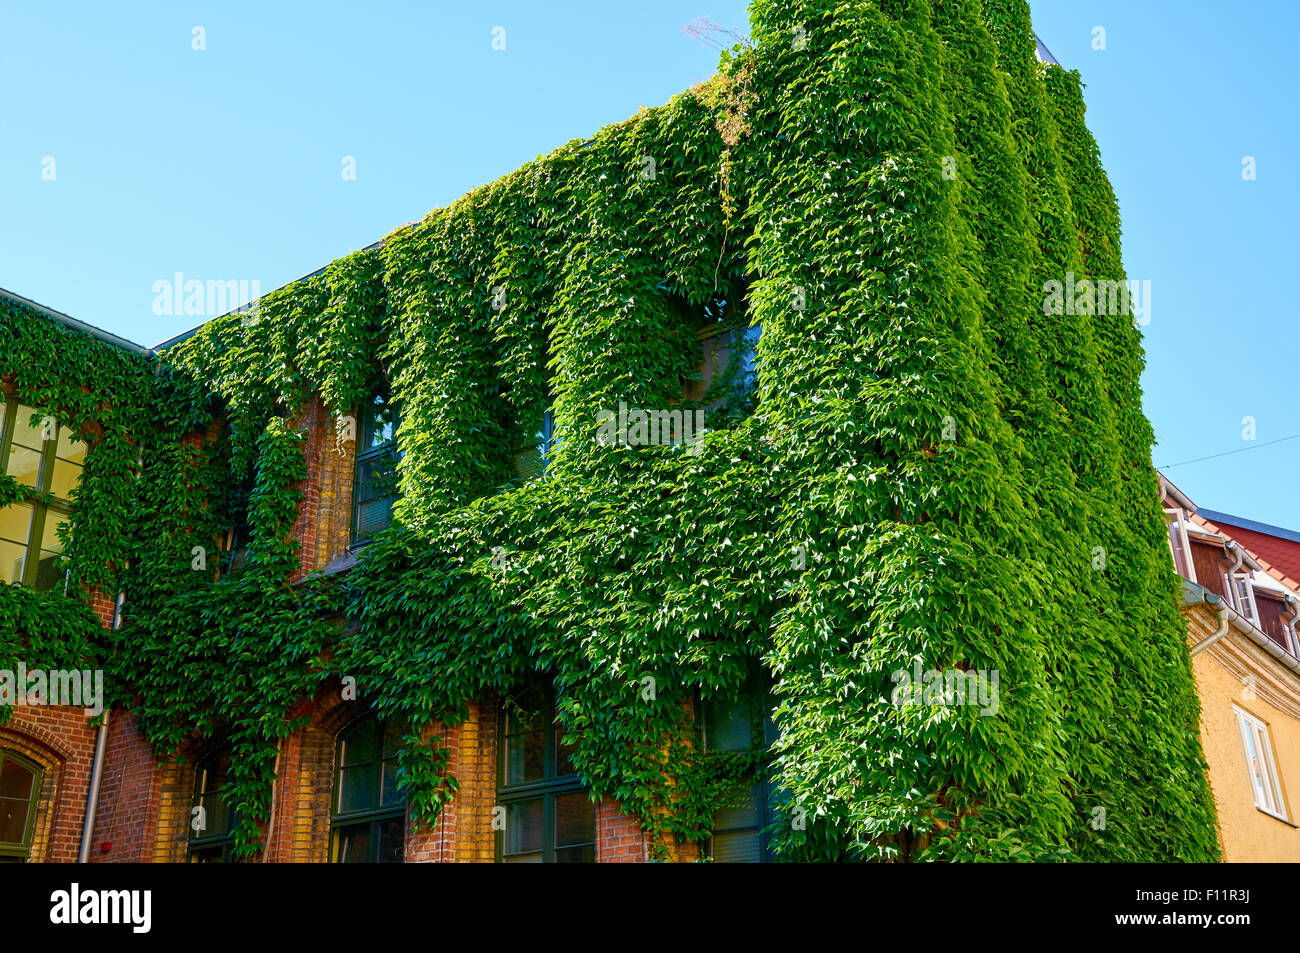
{"x":226,"y":163}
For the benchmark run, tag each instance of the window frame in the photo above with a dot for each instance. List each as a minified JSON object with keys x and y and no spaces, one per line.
{"x":756,"y":692}
{"x":236,"y":533}
{"x":23,"y":849}
{"x":1273,"y":800}
{"x":62,"y":507}
{"x":542,"y":442}
{"x":225,"y":840}
{"x":373,"y":817}
{"x":739,"y":346}
{"x":367,"y":454}
{"x":1243,"y":596}
{"x":1182,"y":556}
{"x":736,"y":352}
{"x":548,"y":788}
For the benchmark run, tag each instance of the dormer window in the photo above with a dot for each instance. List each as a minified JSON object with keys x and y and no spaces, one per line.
{"x":1180,"y":546}
{"x":1243,"y":596}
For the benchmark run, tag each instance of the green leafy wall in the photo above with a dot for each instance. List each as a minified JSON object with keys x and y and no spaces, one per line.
{"x":936,"y":471}
{"x":99,"y":393}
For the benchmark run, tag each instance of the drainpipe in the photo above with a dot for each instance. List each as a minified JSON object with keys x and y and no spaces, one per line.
{"x":97,"y":769}
{"x":1232,"y":549}
{"x":270,"y":828}
{"x":1222,"y":612}
{"x":1293,"y":607}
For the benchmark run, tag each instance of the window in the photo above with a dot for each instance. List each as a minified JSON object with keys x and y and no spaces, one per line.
{"x":534,"y":458}
{"x":368,"y":825}
{"x":20,"y":785}
{"x":375,"y":484}
{"x":237,"y":534}
{"x":48,"y":459}
{"x":747,"y":374}
{"x":739,"y":827}
{"x":212,"y":817}
{"x":728,"y":373}
{"x":1179,"y":546}
{"x":1243,"y":595}
{"x":549,"y":816}
{"x":1240,"y":593}
{"x":1260,"y":765}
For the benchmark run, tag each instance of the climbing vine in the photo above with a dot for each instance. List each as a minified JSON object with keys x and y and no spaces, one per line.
{"x":922,"y":478}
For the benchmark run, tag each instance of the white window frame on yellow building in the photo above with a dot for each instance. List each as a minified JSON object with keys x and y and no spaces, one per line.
{"x":1254,"y":734}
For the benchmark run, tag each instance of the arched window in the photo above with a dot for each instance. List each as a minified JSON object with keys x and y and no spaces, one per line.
{"x":368,"y":823}
{"x":212,"y":817}
{"x":20,"y":786}
{"x":549,"y":817}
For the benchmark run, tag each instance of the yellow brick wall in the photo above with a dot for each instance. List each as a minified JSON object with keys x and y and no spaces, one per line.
{"x":476,"y":771}
{"x":175,"y":800}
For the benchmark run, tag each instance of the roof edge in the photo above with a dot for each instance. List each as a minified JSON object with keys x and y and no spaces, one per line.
{"x":1242,"y":523}
{"x":89,"y":329}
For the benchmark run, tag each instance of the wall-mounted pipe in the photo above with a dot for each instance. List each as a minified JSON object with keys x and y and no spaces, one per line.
{"x":1229,"y":618}
{"x":1294,"y":608}
{"x":97,"y":766}
{"x":1235,"y":552}
{"x":1222,"y":612}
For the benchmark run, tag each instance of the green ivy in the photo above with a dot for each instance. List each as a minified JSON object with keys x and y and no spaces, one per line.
{"x":926,"y":475}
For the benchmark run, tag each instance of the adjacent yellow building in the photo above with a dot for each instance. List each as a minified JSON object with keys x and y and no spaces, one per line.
{"x":1241,"y":616}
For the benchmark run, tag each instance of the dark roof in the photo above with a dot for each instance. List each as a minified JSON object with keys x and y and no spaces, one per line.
{"x":1242,"y":523}
{"x":172,"y":341}
{"x":1044,"y":54}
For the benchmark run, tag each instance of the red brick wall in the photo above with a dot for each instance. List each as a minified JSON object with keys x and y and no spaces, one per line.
{"x":436,"y":845}
{"x":143,"y":813}
{"x":324,"y":524}
{"x":474,"y":746}
{"x":129,"y":796}
{"x":619,"y":838}
{"x":62,"y":742}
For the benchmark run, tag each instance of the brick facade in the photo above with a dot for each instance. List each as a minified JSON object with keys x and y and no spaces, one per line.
{"x":62,"y":741}
{"x":145,"y":801}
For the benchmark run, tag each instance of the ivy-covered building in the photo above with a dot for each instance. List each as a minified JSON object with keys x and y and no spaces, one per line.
{"x":722,"y":486}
